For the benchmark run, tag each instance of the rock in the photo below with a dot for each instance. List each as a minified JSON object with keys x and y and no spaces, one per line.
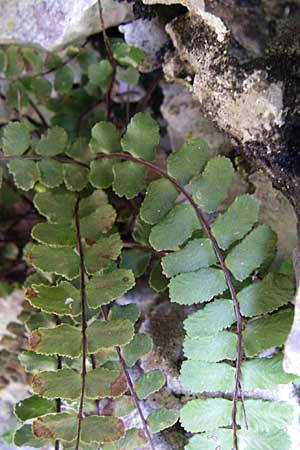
{"x":186,"y":120}
{"x":54,"y":24}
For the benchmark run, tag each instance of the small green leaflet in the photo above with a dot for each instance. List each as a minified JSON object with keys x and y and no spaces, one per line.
{"x":264,"y":373}
{"x":239,"y":218}
{"x":34,"y":406}
{"x":79,"y":150}
{"x":127,"y":54}
{"x":63,"y":383}
{"x":53,"y":143}
{"x":265,"y":296}
{"x":130,"y":75}
{"x":141,"y":137}
{"x":63,"y":340}
{"x":211,"y":188}
{"x":102,"y":429}
{"x":39,"y":320}
{"x":62,"y":426}
{"x":162,"y":418}
{"x":159,"y":200}
{"x":101,"y":175}
{"x":33,"y":362}
{"x":187,"y":162}
{"x":136,"y":260}
{"x":129,"y":179}
{"x":89,"y":204}
{"x":33,"y":59}
{"x":100,"y":74}
{"x":209,"y":320}
{"x":134,"y":439}
{"x":24,"y":438}
{"x":41,"y":88}
{"x":129,"y":312}
{"x":75,"y":177}
{"x":221,"y":345}
{"x":197,"y":287}
{"x":100,"y":255}
{"x":141,"y":231}
{"x":25,"y":173}
{"x":197,"y":416}
{"x":100,"y":221}
{"x":105,"y":138}
{"x":51,"y":173}
{"x":266,"y":416}
{"x":109,"y":334}
{"x":64,"y":78}
{"x":267,"y":332}
{"x":16,"y":139}
{"x":61,"y":261}
{"x":148,"y":383}
{"x":157,"y":280}
{"x":63,"y":299}
{"x":54,"y":234}
{"x":102,"y":383}
{"x":58,"y":205}
{"x":175,"y":228}
{"x":196,"y":254}
{"x":103,"y":289}
{"x":257,"y":248}
{"x":140,"y":345}
{"x":201,"y":376}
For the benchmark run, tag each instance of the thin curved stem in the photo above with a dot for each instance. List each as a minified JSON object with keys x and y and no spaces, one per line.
{"x":83,"y":321}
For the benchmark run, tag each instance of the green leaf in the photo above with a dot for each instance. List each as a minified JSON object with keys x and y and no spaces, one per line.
{"x":209,"y":320}
{"x":25,"y":173}
{"x":33,"y":362}
{"x":211,"y":188}
{"x":136,"y":260}
{"x":24,"y":438}
{"x":89,"y":204}
{"x":141,"y":231}
{"x":64,"y":78}
{"x":159,"y":200}
{"x":15,"y":62}
{"x":105,"y":138}
{"x":57,"y":206}
{"x":63,"y":383}
{"x":41,"y":88}
{"x":175,"y":228}
{"x":257,"y":248}
{"x":265,"y":296}
{"x":187,"y":162}
{"x":51,"y":173}
{"x":100,"y":221}
{"x":203,"y":415}
{"x":129,"y":76}
{"x":59,"y":260}
{"x":236,"y":221}
{"x":221,"y":345}
{"x":267,"y":332}
{"x":200,"y":376}
{"x":75,"y":177}
{"x":62,"y":426}
{"x":79,"y":150}
{"x":53,"y":143}
{"x":122,"y":406}
{"x":157,"y":280}
{"x":266,"y":416}
{"x":197,"y":287}
{"x":34,"y":406}
{"x":85,"y":58}
{"x":33,"y":59}
{"x":54,"y":234}
{"x":100,"y":73}
{"x":127,"y":54}
{"x":63,"y":299}
{"x":140,"y":345}
{"x":101,"y":174}
{"x":213,"y":440}
{"x":103,"y":289}
{"x":196,"y":254}
{"x":39,"y":320}
{"x":162,"y":418}
{"x":102,"y":383}
{"x":102,"y":429}
{"x":264,"y":373}
{"x":141,"y":137}
{"x":100,"y":255}
{"x":129,"y":312}
{"x":3,"y":61}
{"x":16,"y":139}
{"x":134,"y":439}
{"x":148,"y":383}
{"x":129,"y":179}
{"x":62,"y":340}
{"x":109,"y":334}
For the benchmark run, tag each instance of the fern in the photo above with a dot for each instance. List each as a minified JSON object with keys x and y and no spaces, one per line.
{"x":82,"y":346}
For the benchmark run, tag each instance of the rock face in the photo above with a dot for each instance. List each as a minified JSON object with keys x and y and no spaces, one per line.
{"x":54,"y":24}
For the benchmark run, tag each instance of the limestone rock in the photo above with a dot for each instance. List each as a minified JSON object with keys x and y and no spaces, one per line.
{"x":54,"y":24}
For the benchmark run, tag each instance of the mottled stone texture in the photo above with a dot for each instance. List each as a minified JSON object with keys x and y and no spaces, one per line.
{"x":54,"y":24}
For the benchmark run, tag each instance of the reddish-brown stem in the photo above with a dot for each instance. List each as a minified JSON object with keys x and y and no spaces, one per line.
{"x":131,"y":388}
{"x":105,"y":37}
{"x":83,"y":321}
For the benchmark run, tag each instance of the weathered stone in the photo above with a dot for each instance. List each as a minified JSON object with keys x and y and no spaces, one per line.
{"x":54,"y":24}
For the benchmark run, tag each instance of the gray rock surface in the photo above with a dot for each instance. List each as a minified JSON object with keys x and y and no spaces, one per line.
{"x":54,"y":24}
